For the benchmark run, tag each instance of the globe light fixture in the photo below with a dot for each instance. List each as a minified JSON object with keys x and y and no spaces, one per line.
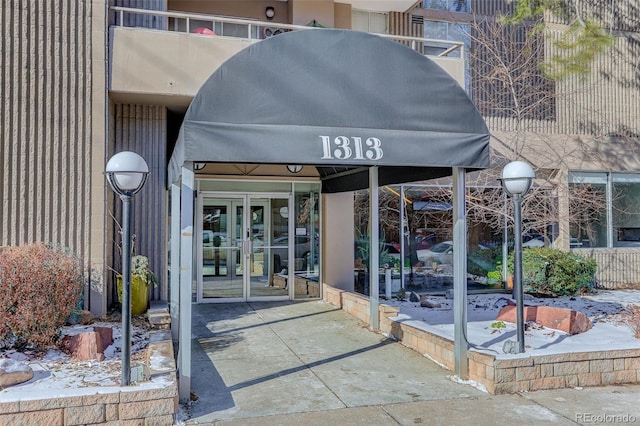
{"x":269,"y":12}
{"x":517,"y":178}
{"x":294,"y":168}
{"x":126,"y":173}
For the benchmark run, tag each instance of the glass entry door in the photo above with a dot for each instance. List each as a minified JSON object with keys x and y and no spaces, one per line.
{"x":244,"y":249}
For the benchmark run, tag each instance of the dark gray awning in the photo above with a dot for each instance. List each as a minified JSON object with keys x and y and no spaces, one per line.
{"x":339,"y":100}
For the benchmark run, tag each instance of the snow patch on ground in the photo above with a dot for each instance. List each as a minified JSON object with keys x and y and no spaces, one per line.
{"x":56,"y":374}
{"x":606,"y":309}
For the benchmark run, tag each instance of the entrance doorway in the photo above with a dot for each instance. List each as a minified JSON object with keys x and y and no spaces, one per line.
{"x":243,"y":252}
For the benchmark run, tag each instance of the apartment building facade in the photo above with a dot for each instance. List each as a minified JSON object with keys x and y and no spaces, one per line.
{"x":82,"y":80}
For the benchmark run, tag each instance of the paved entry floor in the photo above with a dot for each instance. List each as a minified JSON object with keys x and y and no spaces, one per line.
{"x":311,"y":363}
{"x":259,"y":359}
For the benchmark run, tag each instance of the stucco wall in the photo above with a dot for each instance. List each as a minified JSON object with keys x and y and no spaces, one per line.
{"x":52,"y":86}
{"x":142,"y":129}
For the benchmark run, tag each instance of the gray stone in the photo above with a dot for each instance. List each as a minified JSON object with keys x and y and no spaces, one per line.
{"x":14,"y":372}
{"x":502,"y":302}
{"x":414,"y":297}
{"x":510,"y":347}
{"x":427,"y":304}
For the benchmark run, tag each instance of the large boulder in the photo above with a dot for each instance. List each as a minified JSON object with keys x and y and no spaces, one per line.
{"x":567,"y":320}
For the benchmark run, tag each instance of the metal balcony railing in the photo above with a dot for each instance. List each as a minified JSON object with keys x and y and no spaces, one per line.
{"x":253,"y":29}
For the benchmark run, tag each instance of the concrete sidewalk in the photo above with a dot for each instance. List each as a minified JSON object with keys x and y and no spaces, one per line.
{"x":271,"y":363}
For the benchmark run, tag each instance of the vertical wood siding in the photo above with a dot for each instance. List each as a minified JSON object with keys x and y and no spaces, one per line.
{"x":142,"y":129}
{"x":45,"y":134}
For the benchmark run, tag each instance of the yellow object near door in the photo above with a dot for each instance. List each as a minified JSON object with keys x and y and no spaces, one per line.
{"x":139,"y":294}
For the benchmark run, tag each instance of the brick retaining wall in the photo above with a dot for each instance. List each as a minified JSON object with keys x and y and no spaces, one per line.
{"x":148,"y":403}
{"x":502,"y":375}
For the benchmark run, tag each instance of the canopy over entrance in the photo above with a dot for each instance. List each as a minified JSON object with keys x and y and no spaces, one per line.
{"x":362,"y":109}
{"x":339,"y":100}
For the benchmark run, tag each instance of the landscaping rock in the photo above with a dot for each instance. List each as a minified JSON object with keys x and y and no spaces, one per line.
{"x":502,"y":302}
{"x":428,"y":304}
{"x":80,"y":317}
{"x":89,"y":345}
{"x":14,"y":372}
{"x":106,"y":337}
{"x":414,"y":297}
{"x":510,"y":347}
{"x":567,"y":320}
{"x":508,"y":314}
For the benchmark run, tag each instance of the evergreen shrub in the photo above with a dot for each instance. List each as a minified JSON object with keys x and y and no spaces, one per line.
{"x":551,"y":272}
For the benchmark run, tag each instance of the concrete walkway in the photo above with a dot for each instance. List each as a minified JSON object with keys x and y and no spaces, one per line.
{"x":289,"y":363}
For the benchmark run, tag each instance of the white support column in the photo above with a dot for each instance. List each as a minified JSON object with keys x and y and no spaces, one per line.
{"x":174,"y":273}
{"x":186,"y":280}
{"x":460,"y":274}
{"x":609,"y":197}
{"x":374,"y":249}
{"x":563,"y":239}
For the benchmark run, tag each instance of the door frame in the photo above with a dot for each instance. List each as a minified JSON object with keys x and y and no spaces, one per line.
{"x":244,"y":198}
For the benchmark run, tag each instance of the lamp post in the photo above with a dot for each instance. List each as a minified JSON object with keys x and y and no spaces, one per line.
{"x":126,"y":173}
{"x":516,"y":180}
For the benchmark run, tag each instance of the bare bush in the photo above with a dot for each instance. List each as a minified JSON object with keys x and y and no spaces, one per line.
{"x":633,"y":320}
{"x":39,"y":288}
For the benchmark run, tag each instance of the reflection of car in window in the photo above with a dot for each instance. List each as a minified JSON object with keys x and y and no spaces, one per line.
{"x":534,"y":242}
{"x":425,"y":241}
{"x":302,"y":248}
{"x":441,"y":253}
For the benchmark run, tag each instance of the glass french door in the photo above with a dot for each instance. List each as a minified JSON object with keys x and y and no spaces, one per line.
{"x":244,"y":250}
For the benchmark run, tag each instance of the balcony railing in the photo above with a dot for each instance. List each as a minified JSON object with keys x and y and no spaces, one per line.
{"x":253,"y":29}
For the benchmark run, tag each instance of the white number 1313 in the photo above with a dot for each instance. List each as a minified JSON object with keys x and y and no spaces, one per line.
{"x":345,"y":148}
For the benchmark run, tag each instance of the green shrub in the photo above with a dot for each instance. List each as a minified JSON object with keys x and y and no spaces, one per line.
{"x":495,"y":276}
{"x":481,"y":262}
{"x":552,"y":272}
{"x":39,"y":287}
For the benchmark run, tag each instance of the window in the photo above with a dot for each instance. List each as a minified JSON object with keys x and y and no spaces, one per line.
{"x":588,"y":209}
{"x":370,"y":22}
{"x":450,"y":5}
{"x":625,"y":204}
{"x":604,"y":209}
{"x":441,"y":30}
{"x":452,"y":31}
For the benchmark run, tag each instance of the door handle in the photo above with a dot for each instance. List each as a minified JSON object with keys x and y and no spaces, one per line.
{"x":247,"y":247}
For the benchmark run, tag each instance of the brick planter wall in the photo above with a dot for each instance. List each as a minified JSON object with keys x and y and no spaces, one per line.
{"x":503,"y":375}
{"x":148,"y":403}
